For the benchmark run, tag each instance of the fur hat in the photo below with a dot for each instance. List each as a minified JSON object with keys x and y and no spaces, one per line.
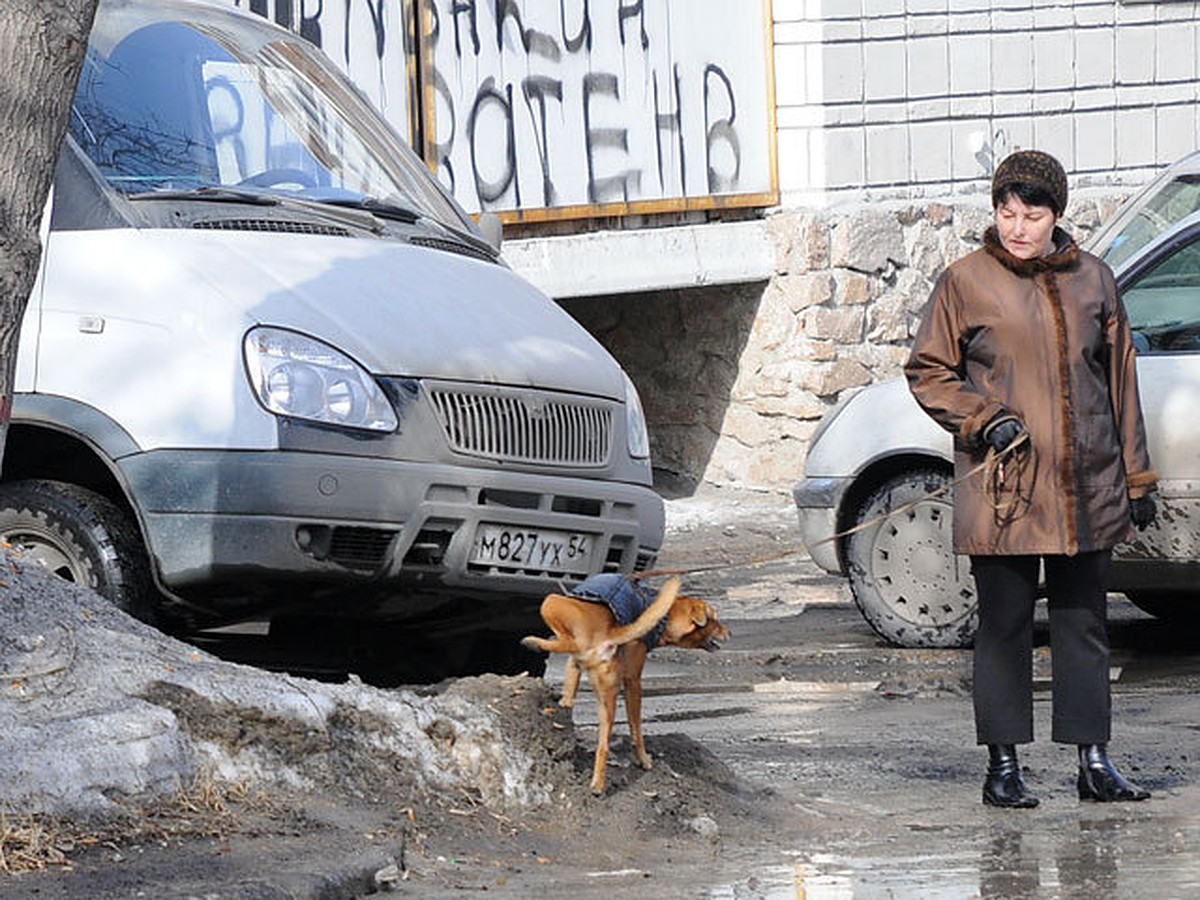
{"x":1036,"y":169}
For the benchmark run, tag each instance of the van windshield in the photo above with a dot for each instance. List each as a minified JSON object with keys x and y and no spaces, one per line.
{"x":175,"y":99}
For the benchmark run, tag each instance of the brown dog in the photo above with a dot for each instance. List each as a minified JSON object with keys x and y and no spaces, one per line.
{"x":613,"y":656}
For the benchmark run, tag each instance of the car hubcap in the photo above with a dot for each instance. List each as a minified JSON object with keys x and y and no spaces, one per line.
{"x":916,"y":570}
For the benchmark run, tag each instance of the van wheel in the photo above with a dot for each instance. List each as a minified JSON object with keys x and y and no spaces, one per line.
{"x":80,"y":536}
{"x":905,"y":577}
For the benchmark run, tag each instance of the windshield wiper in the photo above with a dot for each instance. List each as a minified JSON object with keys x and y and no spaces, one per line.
{"x":209,"y":192}
{"x":381,"y":208}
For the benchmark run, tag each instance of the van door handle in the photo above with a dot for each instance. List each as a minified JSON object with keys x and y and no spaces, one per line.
{"x":91,"y":324}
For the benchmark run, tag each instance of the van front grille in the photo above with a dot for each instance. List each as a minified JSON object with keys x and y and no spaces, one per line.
{"x":525,"y":426}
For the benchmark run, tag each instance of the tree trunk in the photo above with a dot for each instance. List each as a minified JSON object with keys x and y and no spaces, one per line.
{"x":42,"y":43}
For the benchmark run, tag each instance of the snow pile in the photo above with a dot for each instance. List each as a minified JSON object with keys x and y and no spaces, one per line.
{"x":95,"y":707}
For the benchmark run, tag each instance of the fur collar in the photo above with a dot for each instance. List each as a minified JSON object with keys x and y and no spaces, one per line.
{"x":1063,"y":257}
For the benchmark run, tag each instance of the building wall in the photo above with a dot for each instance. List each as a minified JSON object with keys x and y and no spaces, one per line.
{"x":735,"y":378}
{"x":920,"y":98}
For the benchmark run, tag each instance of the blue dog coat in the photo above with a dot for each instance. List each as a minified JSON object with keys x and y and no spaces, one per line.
{"x":625,"y":599}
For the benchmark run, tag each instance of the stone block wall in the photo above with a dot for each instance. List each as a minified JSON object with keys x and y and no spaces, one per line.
{"x":735,"y":378}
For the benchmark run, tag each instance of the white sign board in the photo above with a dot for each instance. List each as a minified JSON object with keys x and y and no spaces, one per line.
{"x":574,"y":105}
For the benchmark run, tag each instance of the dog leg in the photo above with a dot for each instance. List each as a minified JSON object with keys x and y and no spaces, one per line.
{"x":570,"y":684}
{"x":605,"y":683}
{"x":556,"y":644}
{"x":635,"y":661}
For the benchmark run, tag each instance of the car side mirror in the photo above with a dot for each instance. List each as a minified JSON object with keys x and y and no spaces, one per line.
{"x":492,"y":229}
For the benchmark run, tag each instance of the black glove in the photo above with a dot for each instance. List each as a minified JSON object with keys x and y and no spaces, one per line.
{"x":1143,"y":511}
{"x":1003,"y":433}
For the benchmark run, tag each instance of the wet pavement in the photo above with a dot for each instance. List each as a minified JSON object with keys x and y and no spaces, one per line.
{"x":873,"y":748}
{"x":870,"y":749}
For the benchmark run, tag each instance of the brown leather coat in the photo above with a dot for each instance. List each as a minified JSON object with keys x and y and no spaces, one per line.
{"x":1046,"y":340}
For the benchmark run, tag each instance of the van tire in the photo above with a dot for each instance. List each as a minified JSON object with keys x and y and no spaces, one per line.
{"x":82,"y":537}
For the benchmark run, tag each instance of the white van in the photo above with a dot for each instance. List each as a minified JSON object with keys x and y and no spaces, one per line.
{"x":270,"y":367}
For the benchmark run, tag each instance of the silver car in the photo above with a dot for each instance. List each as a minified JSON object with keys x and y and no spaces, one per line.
{"x":877,"y":451}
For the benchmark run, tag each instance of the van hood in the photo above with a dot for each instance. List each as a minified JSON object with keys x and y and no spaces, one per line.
{"x":406,"y":310}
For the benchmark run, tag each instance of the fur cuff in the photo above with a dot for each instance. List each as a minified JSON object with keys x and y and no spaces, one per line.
{"x":1141,"y":483}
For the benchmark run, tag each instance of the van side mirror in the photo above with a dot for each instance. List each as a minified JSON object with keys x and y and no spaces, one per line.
{"x":492,"y":229}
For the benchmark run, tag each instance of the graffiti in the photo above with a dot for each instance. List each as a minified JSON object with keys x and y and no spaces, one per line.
{"x":367,"y":38}
{"x":574,"y":103}
{"x":587,"y":102}
{"x":720,"y":131}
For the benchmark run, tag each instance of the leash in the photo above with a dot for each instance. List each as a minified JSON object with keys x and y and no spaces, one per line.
{"x":996,"y":474}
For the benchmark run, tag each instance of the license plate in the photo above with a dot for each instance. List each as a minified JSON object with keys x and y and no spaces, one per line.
{"x":509,"y":547}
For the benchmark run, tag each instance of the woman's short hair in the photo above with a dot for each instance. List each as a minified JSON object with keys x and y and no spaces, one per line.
{"x":1029,"y":194}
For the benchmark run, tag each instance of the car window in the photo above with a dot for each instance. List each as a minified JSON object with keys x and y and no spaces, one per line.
{"x":1177,"y":200}
{"x":1164,"y":302}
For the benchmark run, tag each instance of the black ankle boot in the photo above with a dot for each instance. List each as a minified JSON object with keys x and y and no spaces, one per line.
{"x":1099,"y":779}
{"x":1004,"y":785}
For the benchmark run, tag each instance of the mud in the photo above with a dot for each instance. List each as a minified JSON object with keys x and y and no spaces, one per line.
{"x":803,"y":759}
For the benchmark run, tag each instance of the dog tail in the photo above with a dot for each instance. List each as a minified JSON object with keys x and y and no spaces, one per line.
{"x":649,"y":619}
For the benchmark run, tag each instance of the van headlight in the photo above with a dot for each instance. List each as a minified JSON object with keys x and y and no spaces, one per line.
{"x":303,"y":378}
{"x":635,"y":423}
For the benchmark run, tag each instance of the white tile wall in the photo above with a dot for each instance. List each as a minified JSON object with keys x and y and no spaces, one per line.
{"x":844,"y":159}
{"x":916,"y":98}
{"x":928,"y":67}
{"x":1175,"y":54}
{"x":1095,"y":55}
{"x":1095,"y":135}
{"x":1012,"y":61}
{"x":884,"y":70}
{"x":1135,"y":136}
{"x":887,"y":156}
{"x":1175,"y":130}
{"x":971,"y":63}
{"x":1135,"y":54}
{"x":1053,"y":60}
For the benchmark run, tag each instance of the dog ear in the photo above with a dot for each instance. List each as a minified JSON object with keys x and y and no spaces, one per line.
{"x":699,"y":613}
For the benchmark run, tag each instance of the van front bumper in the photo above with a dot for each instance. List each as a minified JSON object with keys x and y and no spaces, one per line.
{"x":291,"y":526}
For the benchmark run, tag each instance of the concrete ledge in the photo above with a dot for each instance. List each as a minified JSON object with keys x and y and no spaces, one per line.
{"x":618,"y":262}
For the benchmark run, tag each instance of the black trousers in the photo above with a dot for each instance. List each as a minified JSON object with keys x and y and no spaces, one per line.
{"x":1077,"y":588}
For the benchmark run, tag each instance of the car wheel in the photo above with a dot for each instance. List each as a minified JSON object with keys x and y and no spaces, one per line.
{"x":1182,"y":607}
{"x":905,"y":577}
{"x":80,"y":536}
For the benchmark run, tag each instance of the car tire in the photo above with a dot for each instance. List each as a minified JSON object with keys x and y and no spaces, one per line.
{"x":905,"y":577}
{"x":1182,"y":607}
{"x":79,"y":536}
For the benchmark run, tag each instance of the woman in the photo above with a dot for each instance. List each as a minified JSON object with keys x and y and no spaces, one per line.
{"x":1025,"y":350}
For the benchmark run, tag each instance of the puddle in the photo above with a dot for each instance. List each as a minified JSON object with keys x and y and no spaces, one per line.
{"x":1093,"y":859}
{"x":826,"y":877}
